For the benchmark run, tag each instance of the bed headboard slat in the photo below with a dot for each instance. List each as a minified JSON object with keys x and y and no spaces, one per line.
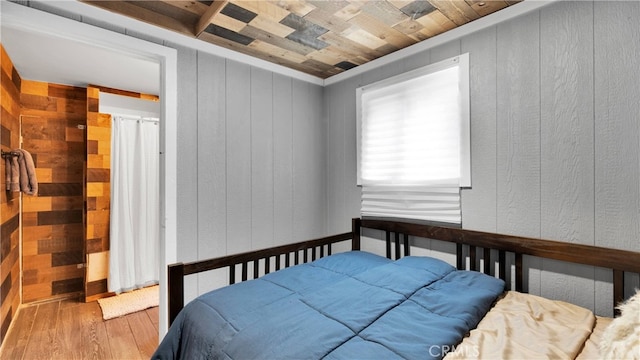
{"x":487,"y":262}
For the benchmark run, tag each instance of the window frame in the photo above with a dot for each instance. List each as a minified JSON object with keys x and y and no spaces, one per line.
{"x":459,"y":61}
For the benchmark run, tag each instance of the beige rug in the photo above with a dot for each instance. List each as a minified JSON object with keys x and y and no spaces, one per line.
{"x":129,"y":302}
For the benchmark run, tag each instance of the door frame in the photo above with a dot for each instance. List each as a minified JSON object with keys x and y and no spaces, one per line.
{"x":28,"y":19}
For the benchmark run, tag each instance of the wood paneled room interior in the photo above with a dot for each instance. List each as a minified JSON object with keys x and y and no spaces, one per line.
{"x":257,"y":140}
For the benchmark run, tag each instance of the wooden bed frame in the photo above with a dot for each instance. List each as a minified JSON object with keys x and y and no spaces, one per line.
{"x":397,"y":232}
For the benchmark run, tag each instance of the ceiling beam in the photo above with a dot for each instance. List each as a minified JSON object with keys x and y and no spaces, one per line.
{"x":208,"y":16}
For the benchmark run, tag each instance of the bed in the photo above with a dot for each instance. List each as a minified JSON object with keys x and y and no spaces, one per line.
{"x":303,"y":301}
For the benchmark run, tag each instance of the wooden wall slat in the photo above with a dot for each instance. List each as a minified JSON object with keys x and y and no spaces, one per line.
{"x":262,"y":160}
{"x":308,"y":149}
{"x":51,"y":112}
{"x":97,"y":191}
{"x":617,"y":146}
{"x":282,"y":160}
{"x":238,"y":128}
{"x":187,"y":216}
{"x":518,"y":132}
{"x":567,"y":187}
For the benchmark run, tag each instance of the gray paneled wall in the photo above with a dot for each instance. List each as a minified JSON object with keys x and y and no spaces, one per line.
{"x":555,"y":136}
{"x":251,"y":160}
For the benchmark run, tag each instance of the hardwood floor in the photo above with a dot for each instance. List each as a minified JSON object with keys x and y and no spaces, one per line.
{"x":69,"y":329}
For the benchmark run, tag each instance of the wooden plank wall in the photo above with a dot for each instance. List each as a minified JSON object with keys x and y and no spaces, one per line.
{"x":251,"y":145}
{"x":555,"y":151}
{"x":53,"y":229}
{"x":98,"y":195}
{"x":9,"y":201}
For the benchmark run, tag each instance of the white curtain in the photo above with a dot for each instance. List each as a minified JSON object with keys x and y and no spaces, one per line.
{"x":135,"y":201}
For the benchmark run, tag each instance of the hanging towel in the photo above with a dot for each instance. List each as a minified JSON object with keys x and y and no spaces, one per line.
{"x":7,"y":171}
{"x":12,"y":172}
{"x":27,"y":171}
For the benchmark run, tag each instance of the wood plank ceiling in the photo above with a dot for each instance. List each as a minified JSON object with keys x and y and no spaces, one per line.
{"x":320,"y":38}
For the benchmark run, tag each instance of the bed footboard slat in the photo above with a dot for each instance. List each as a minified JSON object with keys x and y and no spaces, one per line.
{"x":244,"y":271}
{"x":388,"y":242}
{"x":486,"y":258}
{"x":256,"y":269}
{"x":502,"y":265}
{"x":519,"y":277}
{"x":407,"y":248}
{"x":472,"y":258}
{"x":459,"y":257}
{"x":618,"y":289}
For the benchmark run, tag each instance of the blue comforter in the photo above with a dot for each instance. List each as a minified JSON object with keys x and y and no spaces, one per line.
{"x":352,"y":305}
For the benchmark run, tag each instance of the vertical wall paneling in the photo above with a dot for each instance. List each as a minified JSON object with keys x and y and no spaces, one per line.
{"x":252,"y":159}
{"x":343,"y":196}
{"x":334,"y":109}
{"x":187,"y":166}
{"x":617,"y":144}
{"x":480,"y":200}
{"x":52,"y":226}
{"x":309,"y":161}
{"x":353,"y":195}
{"x":238,"y":103}
{"x":566,"y":127}
{"x":211,"y":162}
{"x":282,"y":160}
{"x":98,"y":196}
{"x":10,"y":286}
{"x":518,"y":124}
{"x":262,"y":157}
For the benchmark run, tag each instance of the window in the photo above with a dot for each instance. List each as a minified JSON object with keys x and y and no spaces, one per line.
{"x":414,"y":143}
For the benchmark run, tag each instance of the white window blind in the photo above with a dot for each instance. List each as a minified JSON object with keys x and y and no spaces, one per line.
{"x":414,"y":143}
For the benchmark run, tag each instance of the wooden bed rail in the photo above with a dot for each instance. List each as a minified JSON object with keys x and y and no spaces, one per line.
{"x":620,"y":261}
{"x":314,"y":248}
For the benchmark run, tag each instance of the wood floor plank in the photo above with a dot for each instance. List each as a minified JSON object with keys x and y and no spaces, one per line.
{"x":82,"y":333}
{"x":18,"y":336}
{"x":144,"y":333}
{"x":154,"y":315}
{"x":69,"y":329}
{"x":42,"y":342}
{"x":121,"y":341}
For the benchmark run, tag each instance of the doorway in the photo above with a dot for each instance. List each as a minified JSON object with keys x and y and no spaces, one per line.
{"x":54,"y":27}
